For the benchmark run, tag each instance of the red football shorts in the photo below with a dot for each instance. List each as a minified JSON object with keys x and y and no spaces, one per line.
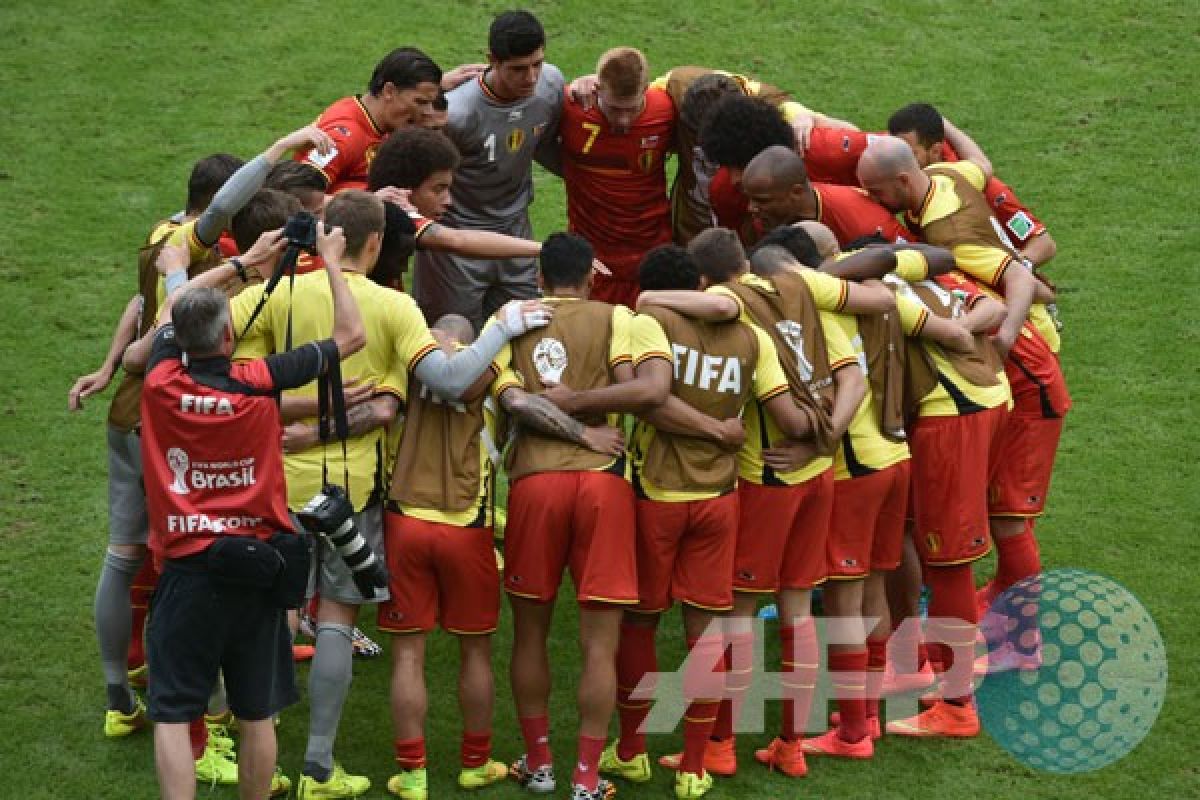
{"x":782,"y":531}
{"x":866,"y":530}
{"x":582,"y":521}
{"x":439,"y":573}
{"x":685,"y":553}
{"x":1024,"y":462}
{"x":616,"y":291}
{"x":1035,"y":376}
{"x":951,"y":460}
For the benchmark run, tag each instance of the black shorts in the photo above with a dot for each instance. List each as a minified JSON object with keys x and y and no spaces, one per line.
{"x":197,"y":627}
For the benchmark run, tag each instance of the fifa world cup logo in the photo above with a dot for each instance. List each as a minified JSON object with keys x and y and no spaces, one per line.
{"x":793,"y":334}
{"x":550,"y":360}
{"x":178,"y":461}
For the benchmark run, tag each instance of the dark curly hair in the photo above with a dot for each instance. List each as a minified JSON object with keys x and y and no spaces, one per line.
{"x":409,"y":156}
{"x":739,"y":128}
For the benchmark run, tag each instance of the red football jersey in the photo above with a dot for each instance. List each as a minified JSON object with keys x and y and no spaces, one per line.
{"x":213,"y":459}
{"x":306,"y":263}
{"x":1032,"y":368}
{"x":1018,"y":222}
{"x":846,"y":210}
{"x":851,"y":214}
{"x":617,"y":183}
{"x":355,"y":136}
{"x":729,"y":206}
{"x":833,"y":153}
{"x":227,"y":246}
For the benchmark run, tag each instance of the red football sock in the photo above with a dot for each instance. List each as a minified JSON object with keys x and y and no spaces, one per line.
{"x":698,"y":723}
{"x":198,"y":736}
{"x":476,"y":748}
{"x":1017,"y":558}
{"x":952,"y":618}
{"x":847,"y":671}
{"x":801,"y":656}
{"x":636,"y":657}
{"x":703,"y":680}
{"x":536,"y":731}
{"x":876,"y":664}
{"x":587,"y":768}
{"x":139,"y":597}
{"x":410,"y":753}
{"x":739,"y":666}
{"x":906,"y":650}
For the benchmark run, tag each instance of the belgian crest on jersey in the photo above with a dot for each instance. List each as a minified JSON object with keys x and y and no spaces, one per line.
{"x":550,"y":359}
{"x":516,"y":138}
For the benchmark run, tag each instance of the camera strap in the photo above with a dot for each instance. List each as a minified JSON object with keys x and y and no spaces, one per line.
{"x":286,"y":266}
{"x":331,"y":417}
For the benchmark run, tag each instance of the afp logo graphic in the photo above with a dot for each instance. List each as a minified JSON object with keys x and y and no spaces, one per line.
{"x":1077,"y":671}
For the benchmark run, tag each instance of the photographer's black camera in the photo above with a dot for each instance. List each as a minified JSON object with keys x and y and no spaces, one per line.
{"x":301,"y":232}
{"x":330,"y":514}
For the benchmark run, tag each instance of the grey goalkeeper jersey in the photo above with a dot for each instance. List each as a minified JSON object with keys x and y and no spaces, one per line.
{"x":493,"y":185}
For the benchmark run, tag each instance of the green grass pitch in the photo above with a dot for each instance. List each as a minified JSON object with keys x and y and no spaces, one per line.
{"x":1082,"y":106}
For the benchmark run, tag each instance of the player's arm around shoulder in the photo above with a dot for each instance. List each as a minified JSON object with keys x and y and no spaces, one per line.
{"x":642,"y":382}
{"x":539,"y":413}
{"x":984,"y":314}
{"x":970,"y":152}
{"x":716,"y":304}
{"x":918,"y":321}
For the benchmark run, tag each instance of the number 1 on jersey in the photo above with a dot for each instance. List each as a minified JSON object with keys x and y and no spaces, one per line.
{"x":593,"y":131}
{"x":490,"y":144}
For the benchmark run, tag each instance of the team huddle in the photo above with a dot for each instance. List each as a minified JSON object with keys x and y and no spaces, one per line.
{"x":814,"y":358}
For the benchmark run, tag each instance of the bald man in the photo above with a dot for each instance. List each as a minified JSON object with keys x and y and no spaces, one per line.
{"x":945,"y":202}
{"x":934,"y":139}
{"x":777,"y":186}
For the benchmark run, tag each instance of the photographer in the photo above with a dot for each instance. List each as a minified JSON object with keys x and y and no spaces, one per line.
{"x":216,"y":495}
